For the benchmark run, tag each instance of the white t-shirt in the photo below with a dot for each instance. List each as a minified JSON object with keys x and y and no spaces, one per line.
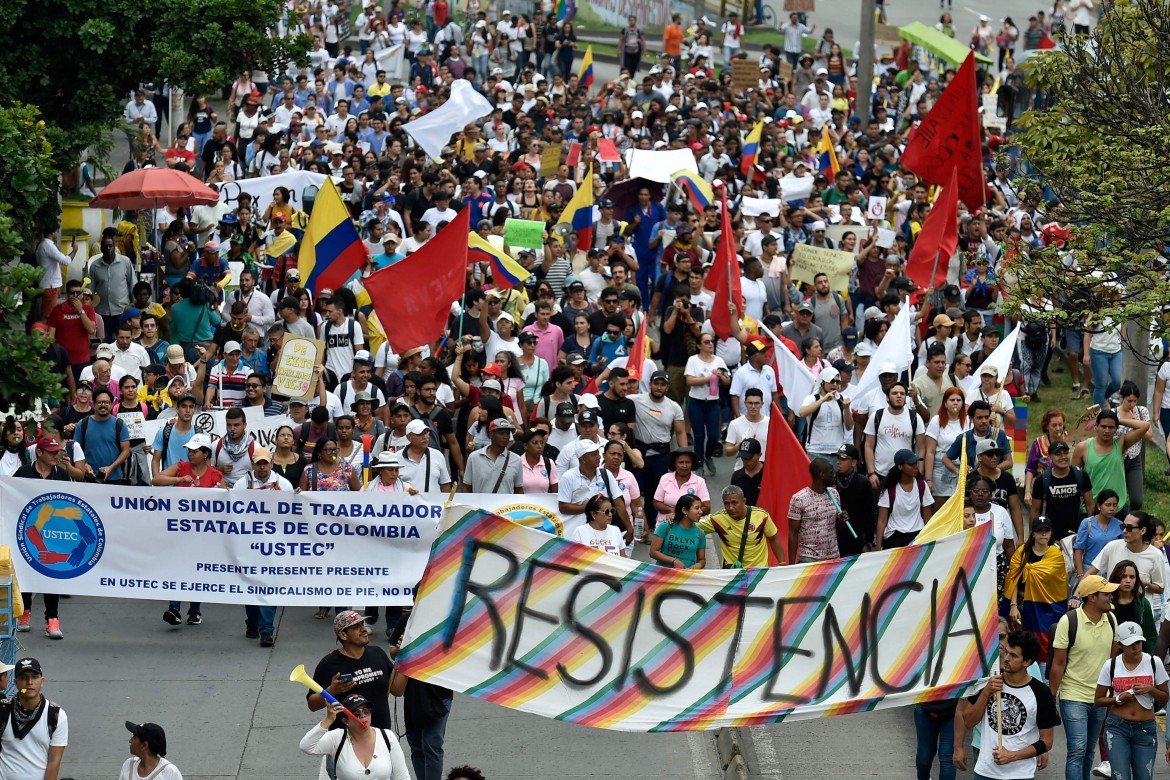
{"x":1164,"y":375}
{"x":1026,"y":710}
{"x":1148,"y":562}
{"x":164,"y":771}
{"x":897,"y":433}
{"x":696,"y":366}
{"x":827,"y":432}
{"x":29,"y":757}
{"x":339,"y":347}
{"x":755,"y":295}
{"x":1150,"y":670}
{"x":742,"y":428}
{"x":1003,"y":524}
{"x":906,"y":516}
{"x":609,"y":540}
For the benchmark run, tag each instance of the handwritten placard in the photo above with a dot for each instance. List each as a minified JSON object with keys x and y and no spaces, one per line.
{"x":808,"y":261}
{"x":524,"y":233}
{"x":550,"y":160}
{"x":745,"y":74}
{"x":294,"y":376}
{"x":135,"y":421}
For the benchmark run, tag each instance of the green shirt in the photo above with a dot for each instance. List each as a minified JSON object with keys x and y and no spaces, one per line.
{"x":679,"y":542}
{"x":191,"y":323}
{"x":1107,"y":471}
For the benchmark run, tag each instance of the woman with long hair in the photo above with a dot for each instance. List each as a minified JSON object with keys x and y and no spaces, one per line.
{"x":1037,"y":584}
{"x":599,"y":531}
{"x":980,"y":489}
{"x":905,"y":504}
{"x":1135,"y":456}
{"x":286,"y":461}
{"x":1133,"y":685}
{"x":679,"y":543}
{"x":326,"y":471}
{"x":1136,"y":545}
{"x":1096,"y":531}
{"x":705,"y":374}
{"x":15,"y":449}
{"x":944,"y":428}
{"x":1130,"y":603}
{"x":358,"y":746}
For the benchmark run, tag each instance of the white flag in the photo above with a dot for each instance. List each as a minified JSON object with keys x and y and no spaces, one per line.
{"x":897,"y":348}
{"x":1001,"y":356}
{"x":432,"y":131}
{"x":794,"y":376}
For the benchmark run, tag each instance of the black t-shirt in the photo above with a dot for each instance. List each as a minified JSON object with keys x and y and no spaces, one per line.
{"x":674,"y":344}
{"x":748,"y":484}
{"x":1062,"y":502}
{"x":371,"y":676}
{"x":621,"y":410}
{"x":1005,"y":488}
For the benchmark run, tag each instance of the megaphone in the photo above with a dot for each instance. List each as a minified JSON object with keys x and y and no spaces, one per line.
{"x":562,"y":230}
{"x":301,"y":676}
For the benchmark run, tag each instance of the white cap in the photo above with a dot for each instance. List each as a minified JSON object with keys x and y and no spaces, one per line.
{"x":231,"y":346}
{"x":636,"y":115}
{"x":888,"y":368}
{"x":589,"y":401}
{"x":863,"y":349}
{"x":828,"y":374}
{"x":416,"y":427}
{"x":586,"y":446}
{"x":1129,"y":633}
{"x":818,"y":225}
{"x":199,"y":440}
{"x":362,"y":356}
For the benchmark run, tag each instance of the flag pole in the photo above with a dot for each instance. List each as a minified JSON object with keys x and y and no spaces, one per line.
{"x":934,"y":270}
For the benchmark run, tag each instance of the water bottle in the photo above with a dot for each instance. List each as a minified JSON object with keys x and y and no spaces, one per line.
{"x":713,"y":393}
{"x":639,"y":524}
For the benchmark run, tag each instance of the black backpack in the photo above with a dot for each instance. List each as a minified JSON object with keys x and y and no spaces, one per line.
{"x":54,"y":713}
{"x":1073,"y":624}
{"x":806,"y":434}
{"x":1078,"y":476}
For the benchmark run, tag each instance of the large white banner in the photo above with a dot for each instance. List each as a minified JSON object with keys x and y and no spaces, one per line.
{"x":302,"y":187}
{"x":231,"y":546}
{"x":214,"y":423}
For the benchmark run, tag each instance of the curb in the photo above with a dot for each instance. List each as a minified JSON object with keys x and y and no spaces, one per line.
{"x":731,"y":759}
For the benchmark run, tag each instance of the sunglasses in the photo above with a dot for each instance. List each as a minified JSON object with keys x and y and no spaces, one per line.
{"x":603,"y":511}
{"x":1129,"y":527}
{"x":254,"y":385}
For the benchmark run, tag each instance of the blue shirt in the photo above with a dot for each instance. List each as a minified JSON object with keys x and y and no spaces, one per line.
{"x":385,"y":260}
{"x":1001,"y":441}
{"x":100,"y":444}
{"x":176,"y":447}
{"x":610,"y":350}
{"x":1092,"y":538}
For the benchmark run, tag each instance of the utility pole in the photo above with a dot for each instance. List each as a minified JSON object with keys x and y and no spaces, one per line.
{"x":865,"y":62}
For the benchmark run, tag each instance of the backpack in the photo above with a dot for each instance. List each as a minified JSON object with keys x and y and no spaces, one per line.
{"x":806,"y":434}
{"x":892,"y":489}
{"x":54,"y":713}
{"x":251,"y":447}
{"x":84,"y":426}
{"x":1046,"y":482}
{"x":877,"y":421}
{"x":1035,"y":335}
{"x":1072,"y":633}
{"x":329,"y":326}
{"x":302,"y":437}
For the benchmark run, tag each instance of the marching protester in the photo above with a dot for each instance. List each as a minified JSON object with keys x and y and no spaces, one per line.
{"x":35,"y":731}
{"x":148,"y":750}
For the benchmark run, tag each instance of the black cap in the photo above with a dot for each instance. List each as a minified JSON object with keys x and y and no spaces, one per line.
{"x":989,"y":330}
{"x":575,"y":286}
{"x":951,"y":292}
{"x":750,"y":447}
{"x":1058,"y":446}
{"x":848,"y":452}
{"x":566,"y":409}
{"x":27,"y":665}
{"x":354,"y":701}
{"x":1041,"y":522}
{"x":150,"y":733}
{"x":657,"y":375}
{"x":587,"y":416}
{"x":526,"y":336}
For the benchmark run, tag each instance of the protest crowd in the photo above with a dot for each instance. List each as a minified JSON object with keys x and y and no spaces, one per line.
{"x":720,"y":277}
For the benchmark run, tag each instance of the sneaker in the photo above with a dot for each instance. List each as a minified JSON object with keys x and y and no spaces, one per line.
{"x":710,"y":464}
{"x":1102,"y":770}
{"x":194,"y":619}
{"x":267,"y":640}
{"x":53,"y":629}
{"x":173,"y":617}
{"x":24,"y":622}
{"x":251,"y":633}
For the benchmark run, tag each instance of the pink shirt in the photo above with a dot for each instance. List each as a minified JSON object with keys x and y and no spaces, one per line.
{"x":538,"y":478}
{"x":548,"y":341}
{"x":669,"y":491}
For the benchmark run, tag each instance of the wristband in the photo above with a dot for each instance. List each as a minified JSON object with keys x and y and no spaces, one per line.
{"x":1040,"y":747}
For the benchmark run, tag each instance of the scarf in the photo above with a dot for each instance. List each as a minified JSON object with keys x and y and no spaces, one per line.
{"x":235,"y":451}
{"x":23,"y":720}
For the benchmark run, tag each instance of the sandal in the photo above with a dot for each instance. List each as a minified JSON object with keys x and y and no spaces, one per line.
{"x":321,"y":614}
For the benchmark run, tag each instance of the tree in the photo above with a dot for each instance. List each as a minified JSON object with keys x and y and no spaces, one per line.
{"x":1100,"y":147}
{"x":79,"y":60}
{"x":28,"y":209}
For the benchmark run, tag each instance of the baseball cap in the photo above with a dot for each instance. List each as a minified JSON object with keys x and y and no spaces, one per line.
{"x":198,"y":441}
{"x":873,"y":313}
{"x":348,"y":619}
{"x":1130,"y":633}
{"x":905,"y":457}
{"x":1058,"y":446}
{"x":261,"y":453}
{"x":48,"y":445}
{"x":211,"y":246}
{"x":416,"y":427}
{"x":5,"y":668}
{"x":943,"y":320}
{"x":576,"y":359}
{"x":660,"y":376}
{"x":362,"y":356}
{"x":501,"y":424}
{"x":588,"y":401}
{"x":106,"y":351}
{"x":565,"y":409}
{"x":988,"y":446}
{"x":887,"y":368}
{"x":31,"y":665}
{"x":750,"y":447}
{"x":587,"y":446}
{"x":525,"y":337}
{"x":1041,"y":522}
{"x":756,"y":347}
{"x":805,"y":306}
{"x":150,"y":733}
{"x":828,"y":374}
{"x":863,"y":350}
{"x":849,"y":336}
{"x":231,"y":346}
{"x":988,"y":368}
{"x":848,"y":452}
{"x":355,"y":702}
{"x":492,"y":384}
{"x":1090,"y":584}
{"x":587,"y":417}
{"x":842,"y":366}
{"x":291,"y":273}
{"x":131,"y":313}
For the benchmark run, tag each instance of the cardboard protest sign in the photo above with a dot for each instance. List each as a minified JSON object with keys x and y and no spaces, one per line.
{"x":541,"y":624}
{"x":744,"y":74}
{"x":550,"y":160}
{"x":293,"y":376}
{"x":808,"y":261}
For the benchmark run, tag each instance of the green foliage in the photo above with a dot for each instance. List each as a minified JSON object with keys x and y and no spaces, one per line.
{"x":26,"y":375}
{"x":27,"y":179}
{"x":78,"y":60}
{"x":1102,"y":147}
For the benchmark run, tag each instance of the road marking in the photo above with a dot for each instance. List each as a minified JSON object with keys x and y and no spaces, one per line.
{"x":766,"y":752}
{"x":699,"y":744}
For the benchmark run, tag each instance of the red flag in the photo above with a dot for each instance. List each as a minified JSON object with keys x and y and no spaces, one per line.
{"x":725,"y":270}
{"x":637,"y":357}
{"x":574,"y":154}
{"x":785,"y":473}
{"x":591,"y":387}
{"x":950,"y":137}
{"x":939,"y":238}
{"x":1046,"y":43}
{"x":413,"y":297}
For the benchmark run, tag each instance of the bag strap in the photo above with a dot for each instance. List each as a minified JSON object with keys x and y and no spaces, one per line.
{"x":340,"y":745}
{"x":503,"y":470}
{"x":427,"y":477}
{"x":744,"y":534}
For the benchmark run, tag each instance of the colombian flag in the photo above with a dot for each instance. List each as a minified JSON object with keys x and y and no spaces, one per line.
{"x":331,"y":251}
{"x":585,"y":79}
{"x":696,"y":188}
{"x":827,"y":155}
{"x":579,"y":213}
{"x":751,"y":149}
{"x":506,"y":272}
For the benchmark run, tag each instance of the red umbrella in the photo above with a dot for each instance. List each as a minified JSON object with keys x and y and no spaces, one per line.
{"x":149,"y":188}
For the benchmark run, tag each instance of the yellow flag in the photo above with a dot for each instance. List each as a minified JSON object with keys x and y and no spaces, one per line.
{"x":948,"y":520}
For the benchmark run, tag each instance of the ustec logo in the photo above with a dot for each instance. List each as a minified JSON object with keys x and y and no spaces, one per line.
{"x":60,"y":536}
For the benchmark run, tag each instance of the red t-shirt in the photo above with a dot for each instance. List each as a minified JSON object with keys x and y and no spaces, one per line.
{"x":181,"y":154}
{"x":440,"y":13}
{"x":70,"y":333}
{"x":210,"y":478}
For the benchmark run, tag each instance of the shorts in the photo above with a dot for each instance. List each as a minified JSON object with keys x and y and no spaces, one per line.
{"x":678,"y":384}
{"x":1074,"y":342}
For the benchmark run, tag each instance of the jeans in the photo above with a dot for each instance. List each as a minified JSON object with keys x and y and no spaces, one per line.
{"x":1133,"y":747}
{"x":482,"y":68}
{"x":1106,"y":374}
{"x":936,"y":735}
{"x":705,"y":426}
{"x":1082,"y":725}
{"x":261,"y":618}
{"x":426,"y":748}
{"x":195,"y":608}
